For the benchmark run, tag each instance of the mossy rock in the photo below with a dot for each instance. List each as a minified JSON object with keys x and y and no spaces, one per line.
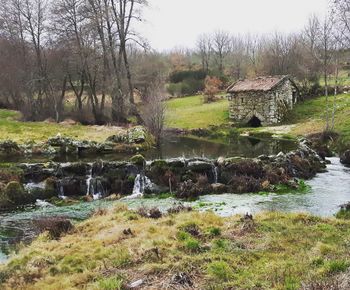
{"x":48,"y":192}
{"x":15,"y":194}
{"x":159,"y":164}
{"x":138,"y":160}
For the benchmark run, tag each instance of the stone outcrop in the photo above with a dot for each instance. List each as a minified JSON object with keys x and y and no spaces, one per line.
{"x":134,"y":140}
{"x":345,"y":157}
{"x":187,"y":178}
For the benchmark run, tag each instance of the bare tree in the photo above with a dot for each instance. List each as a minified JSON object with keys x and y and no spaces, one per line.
{"x":205,"y":49}
{"x":154,"y":109}
{"x":221,"y":48}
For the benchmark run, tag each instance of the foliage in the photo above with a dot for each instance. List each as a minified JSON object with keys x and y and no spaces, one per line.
{"x":212,"y":87}
{"x":186,"y":87}
{"x":180,"y":76}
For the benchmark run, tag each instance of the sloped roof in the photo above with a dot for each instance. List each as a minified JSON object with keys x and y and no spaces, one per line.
{"x":262,"y":84}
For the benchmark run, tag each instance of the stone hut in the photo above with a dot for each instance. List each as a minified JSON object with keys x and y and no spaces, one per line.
{"x":263,"y":100}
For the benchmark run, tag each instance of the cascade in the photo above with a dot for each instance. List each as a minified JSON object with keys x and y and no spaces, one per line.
{"x":142,"y":183}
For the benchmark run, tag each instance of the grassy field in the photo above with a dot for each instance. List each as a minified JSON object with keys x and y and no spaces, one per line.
{"x":21,"y":132}
{"x":191,"y":113}
{"x":275,"y":251}
{"x":310,"y":116}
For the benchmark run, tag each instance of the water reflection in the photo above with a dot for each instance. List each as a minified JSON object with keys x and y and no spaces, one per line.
{"x":176,"y":146}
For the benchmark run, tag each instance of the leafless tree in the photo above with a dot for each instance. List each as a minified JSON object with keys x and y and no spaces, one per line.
{"x":221,"y":48}
{"x":205,"y":50}
{"x":154,"y":109}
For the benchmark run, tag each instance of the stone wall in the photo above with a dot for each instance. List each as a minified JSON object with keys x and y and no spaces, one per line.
{"x":269,"y":107}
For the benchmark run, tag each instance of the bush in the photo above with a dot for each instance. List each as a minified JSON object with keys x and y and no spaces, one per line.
{"x":192,"y":245}
{"x":180,"y":76}
{"x":111,"y":283}
{"x":185,"y":88}
{"x":219,"y":270}
{"x":55,"y":226}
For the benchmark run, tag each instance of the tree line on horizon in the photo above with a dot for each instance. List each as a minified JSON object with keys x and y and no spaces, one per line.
{"x":88,"y":51}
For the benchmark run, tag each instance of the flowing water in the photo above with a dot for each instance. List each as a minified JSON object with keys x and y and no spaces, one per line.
{"x":329,"y":190}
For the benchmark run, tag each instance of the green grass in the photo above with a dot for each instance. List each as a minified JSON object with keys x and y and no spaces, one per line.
{"x":277,"y":251}
{"x":310,"y":116}
{"x":343,"y":79}
{"x":191,"y":113}
{"x":13,"y":129}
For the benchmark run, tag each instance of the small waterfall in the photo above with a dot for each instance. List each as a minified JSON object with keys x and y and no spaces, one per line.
{"x":88,"y":183}
{"x":142,"y":182}
{"x":32,"y":186}
{"x":215,"y":174}
{"x":94,"y":186}
{"x":61,"y":190}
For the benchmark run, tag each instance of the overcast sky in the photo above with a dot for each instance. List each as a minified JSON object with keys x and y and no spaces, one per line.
{"x":177,"y":23}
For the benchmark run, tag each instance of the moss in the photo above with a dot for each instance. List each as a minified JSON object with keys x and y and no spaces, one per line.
{"x":138,"y":160}
{"x":15,"y":194}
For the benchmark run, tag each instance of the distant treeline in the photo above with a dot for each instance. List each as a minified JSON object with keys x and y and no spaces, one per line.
{"x":83,"y":58}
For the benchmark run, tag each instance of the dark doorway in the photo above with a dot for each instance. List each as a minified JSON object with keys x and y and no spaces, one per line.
{"x":254,"y":122}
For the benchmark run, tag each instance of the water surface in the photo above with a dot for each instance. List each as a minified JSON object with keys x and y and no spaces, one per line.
{"x":328,"y":191}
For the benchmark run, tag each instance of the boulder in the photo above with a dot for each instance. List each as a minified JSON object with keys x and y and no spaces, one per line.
{"x":137,"y":135}
{"x":9,"y":147}
{"x":218,"y":188}
{"x":15,"y":194}
{"x":345,"y":158}
{"x":138,"y":160}
{"x":199,"y":165}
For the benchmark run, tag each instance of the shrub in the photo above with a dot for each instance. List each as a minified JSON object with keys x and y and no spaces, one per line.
{"x":56,"y":226}
{"x":192,"y":245}
{"x":219,"y":270}
{"x":111,"y":283}
{"x":214,"y":232}
{"x":191,"y":228}
{"x":180,"y":76}
{"x":337,"y":266}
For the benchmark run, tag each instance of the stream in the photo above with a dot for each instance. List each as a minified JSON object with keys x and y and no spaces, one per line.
{"x":328,"y":191}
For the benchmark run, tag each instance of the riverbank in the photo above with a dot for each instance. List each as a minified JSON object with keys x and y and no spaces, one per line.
{"x":116,"y":248}
{"x":308,"y":117}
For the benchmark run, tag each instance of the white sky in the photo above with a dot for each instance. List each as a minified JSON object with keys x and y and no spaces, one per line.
{"x":177,"y":23}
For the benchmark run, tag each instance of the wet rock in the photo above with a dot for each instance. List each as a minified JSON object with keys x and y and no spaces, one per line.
{"x":138,"y":160}
{"x":14,"y":194}
{"x":345,"y":206}
{"x":218,"y":188}
{"x":199,"y":165}
{"x":73,"y":186}
{"x":37,"y":172}
{"x":9,"y":147}
{"x":79,"y":169}
{"x":345,"y":157}
{"x":120,"y":138}
{"x":176,"y":162}
{"x":137,"y":135}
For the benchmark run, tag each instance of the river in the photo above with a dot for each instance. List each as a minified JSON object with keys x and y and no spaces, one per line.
{"x":328,"y":191}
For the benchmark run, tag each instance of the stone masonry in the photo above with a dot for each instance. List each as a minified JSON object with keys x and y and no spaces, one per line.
{"x":265,"y":100}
